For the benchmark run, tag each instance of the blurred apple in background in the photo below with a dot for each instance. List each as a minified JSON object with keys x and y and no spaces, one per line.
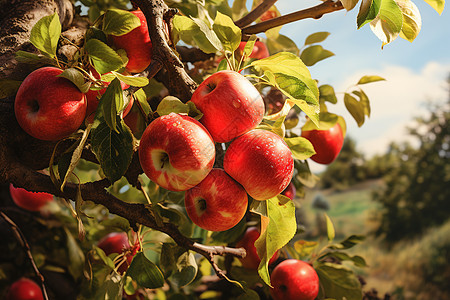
{"x":24,"y":289}
{"x":29,"y":200}
{"x":252,"y":260}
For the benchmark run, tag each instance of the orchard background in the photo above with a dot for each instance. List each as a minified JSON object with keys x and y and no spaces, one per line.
{"x":404,"y":222}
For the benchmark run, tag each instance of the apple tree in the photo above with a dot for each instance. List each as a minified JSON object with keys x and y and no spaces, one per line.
{"x":168,"y":132}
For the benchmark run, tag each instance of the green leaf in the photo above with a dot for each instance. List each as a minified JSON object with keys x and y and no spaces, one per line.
{"x":282,"y":43}
{"x":77,"y":78}
{"x":45,"y":34}
{"x":113,"y":149}
{"x":349,"y":4}
{"x":171,"y":104}
{"x":369,"y":78}
{"x":341,"y":256}
{"x":313,"y":54}
{"x":437,"y":5}
{"x":364,"y":100}
{"x":248,"y":49}
{"x":388,"y":24}
{"x":130,"y":80}
{"x":338,"y":282}
{"x":111,"y":289}
{"x":239,"y":9}
{"x":331,"y":233}
{"x":140,"y":96}
{"x":145,"y":273}
{"x":276,"y":232}
{"x":300,"y":147}
{"x":227,"y":32}
{"x":276,"y":126}
{"x":75,"y":255}
{"x":367,"y":12}
{"x":348,"y":242}
{"x":108,"y":261}
{"x":119,"y":22}
{"x":8,"y":88}
{"x":327,"y":121}
{"x":210,"y":35}
{"x":412,"y":21}
{"x":305,"y":248}
{"x":327,"y":93}
{"x":103,"y":57}
{"x":111,"y":103}
{"x":355,"y":108}
{"x":34,"y":59}
{"x":316,"y":37}
{"x":230,"y":235}
{"x":191,"y":34}
{"x":186,"y":270}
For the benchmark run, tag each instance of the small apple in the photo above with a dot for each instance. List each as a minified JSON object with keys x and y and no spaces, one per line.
{"x":217,"y":203}
{"x":294,"y":279}
{"x":117,"y":242}
{"x":261,"y":162}
{"x":29,"y":200}
{"x":252,"y":260}
{"x":230,"y":104}
{"x":327,"y":143}
{"x":290,"y":191}
{"x":137,"y":45}
{"x":48,"y":107}
{"x":176,"y":152}
{"x":259,"y":50}
{"x":269,"y":14}
{"x":24,"y":289}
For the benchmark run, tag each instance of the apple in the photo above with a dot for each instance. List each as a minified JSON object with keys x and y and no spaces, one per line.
{"x":137,"y":45}
{"x":29,"y":200}
{"x":48,"y":107}
{"x":252,"y":260}
{"x":217,"y":203}
{"x":261,"y":162}
{"x":269,"y":14}
{"x":230,"y":104}
{"x":24,"y":289}
{"x":290,"y":191}
{"x":117,"y":242}
{"x":259,"y":50}
{"x":327,"y":143}
{"x":294,"y":279}
{"x":176,"y":152}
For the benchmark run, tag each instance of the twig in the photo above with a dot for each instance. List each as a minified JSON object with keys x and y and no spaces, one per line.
{"x":314,"y":12}
{"x":24,"y":244}
{"x":255,"y":13}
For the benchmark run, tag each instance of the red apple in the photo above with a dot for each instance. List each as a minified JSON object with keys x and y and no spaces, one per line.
{"x":137,"y":45}
{"x":290,"y":191}
{"x":117,"y":242}
{"x":48,"y":107}
{"x":176,"y":152}
{"x":294,"y":279}
{"x":217,"y":203}
{"x":261,"y":162}
{"x":259,"y":50}
{"x":252,"y":260}
{"x":327,"y":143}
{"x":24,"y":289}
{"x":230,"y":104}
{"x":270,"y":14}
{"x":29,"y":200}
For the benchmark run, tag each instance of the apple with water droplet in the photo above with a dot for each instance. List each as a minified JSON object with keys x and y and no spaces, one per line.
{"x":261,"y":162}
{"x":176,"y":152}
{"x":294,"y":279}
{"x":230,"y":104}
{"x":217,"y":203}
{"x":49,"y":107}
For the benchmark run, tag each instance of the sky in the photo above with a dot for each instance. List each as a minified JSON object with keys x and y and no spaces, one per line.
{"x":415,"y":72}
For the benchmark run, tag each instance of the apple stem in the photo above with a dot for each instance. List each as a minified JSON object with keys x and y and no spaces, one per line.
{"x":201,"y":204}
{"x":34,"y":106}
{"x":211,"y":87}
{"x":164,"y":159}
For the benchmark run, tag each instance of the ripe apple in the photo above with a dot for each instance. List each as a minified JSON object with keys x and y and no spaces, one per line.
{"x":137,"y":45}
{"x":290,"y":191}
{"x":230,"y":104}
{"x":24,"y":289}
{"x":48,"y":107}
{"x":29,"y":200}
{"x":117,"y":242}
{"x":252,"y":260}
{"x":176,"y":152}
{"x":327,"y":143}
{"x":259,"y":50}
{"x":294,"y":279}
{"x":217,"y":203}
{"x":261,"y":162}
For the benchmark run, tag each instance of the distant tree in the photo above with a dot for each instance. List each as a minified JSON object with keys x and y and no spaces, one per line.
{"x":417,"y":191}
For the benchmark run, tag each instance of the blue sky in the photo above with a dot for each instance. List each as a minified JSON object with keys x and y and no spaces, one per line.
{"x":415,"y":72}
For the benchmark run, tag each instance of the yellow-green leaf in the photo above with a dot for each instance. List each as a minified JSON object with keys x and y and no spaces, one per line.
{"x":388,"y":24}
{"x":45,"y":34}
{"x":437,"y":5}
{"x":412,"y":21}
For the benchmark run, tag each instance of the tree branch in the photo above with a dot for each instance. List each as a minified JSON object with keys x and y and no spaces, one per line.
{"x":255,"y":13}
{"x":315,"y":12}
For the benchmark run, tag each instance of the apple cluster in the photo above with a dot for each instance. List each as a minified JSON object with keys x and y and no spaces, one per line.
{"x":178,"y":153}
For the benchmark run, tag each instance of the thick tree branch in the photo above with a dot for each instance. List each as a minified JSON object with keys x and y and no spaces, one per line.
{"x":315,"y":12}
{"x":255,"y":13}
